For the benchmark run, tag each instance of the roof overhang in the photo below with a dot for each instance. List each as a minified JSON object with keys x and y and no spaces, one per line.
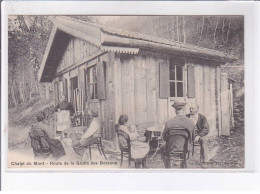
{"x":113,"y":40}
{"x":161,"y":45}
{"x":61,"y":34}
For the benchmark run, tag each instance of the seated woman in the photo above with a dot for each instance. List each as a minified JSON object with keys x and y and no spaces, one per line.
{"x":138,"y":149}
{"x":42,"y":140}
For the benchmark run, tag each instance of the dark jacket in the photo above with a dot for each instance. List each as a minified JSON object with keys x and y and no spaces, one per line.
{"x":202,"y":125}
{"x":64,"y":105}
{"x":41,"y":143}
{"x":177,"y":142}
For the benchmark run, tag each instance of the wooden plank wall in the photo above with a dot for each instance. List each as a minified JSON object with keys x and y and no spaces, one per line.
{"x":128,"y":88}
{"x":225,"y":105}
{"x":108,"y":105}
{"x":140,"y":89}
{"x":76,"y":50}
{"x":205,"y":92}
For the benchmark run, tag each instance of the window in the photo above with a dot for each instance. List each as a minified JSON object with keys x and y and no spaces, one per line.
{"x":176,"y":77}
{"x":92,"y":82}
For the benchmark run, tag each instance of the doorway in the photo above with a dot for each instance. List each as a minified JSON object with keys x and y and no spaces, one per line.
{"x":74,"y":86}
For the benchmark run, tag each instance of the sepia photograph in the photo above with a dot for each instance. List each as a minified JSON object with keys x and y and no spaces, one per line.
{"x":126,"y":92}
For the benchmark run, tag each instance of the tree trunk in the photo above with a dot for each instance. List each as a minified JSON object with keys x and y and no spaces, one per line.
{"x":13,"y":96}
{"x":202,"y":28}
{"x":223,"y":27}
{"x":21,"y":92}
{"x":183,"y":29}
{"x":47,"y":91}
{"x":177,"y":28}
{"x":215,"y":32}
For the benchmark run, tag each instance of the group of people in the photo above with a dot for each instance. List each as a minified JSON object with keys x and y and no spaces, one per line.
{"x":194,"y":122}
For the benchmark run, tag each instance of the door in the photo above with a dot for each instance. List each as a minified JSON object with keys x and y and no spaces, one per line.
{"x":225,"y":105}
{"x":74,"y":86}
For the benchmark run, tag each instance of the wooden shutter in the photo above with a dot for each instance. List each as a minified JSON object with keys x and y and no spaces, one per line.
{"x":191,"y":81}
{"x":65,"y":88}
{"x":101,"y":87}
{"x":56,"y":90}
{"x":164,"y":80}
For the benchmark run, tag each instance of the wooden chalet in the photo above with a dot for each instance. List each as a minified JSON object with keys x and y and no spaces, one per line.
{"x":119,"y":72}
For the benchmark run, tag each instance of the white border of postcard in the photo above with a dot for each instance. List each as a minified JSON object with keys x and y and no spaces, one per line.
{"x":158,"y":179}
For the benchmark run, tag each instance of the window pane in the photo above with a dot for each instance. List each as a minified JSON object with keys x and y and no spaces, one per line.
{"x":96,"y":91}
{"x":91,"y":79}
{"x":172,"y":89}
{"x":179,"y":89}
{"x":172,"y":72}
{"x":95,"y":73}
{"x":91,"y":91}
{"x":179,"y":72}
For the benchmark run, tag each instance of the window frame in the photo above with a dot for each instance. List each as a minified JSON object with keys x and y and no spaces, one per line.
{"x":183,"y":81}
{"x":94,"y":84}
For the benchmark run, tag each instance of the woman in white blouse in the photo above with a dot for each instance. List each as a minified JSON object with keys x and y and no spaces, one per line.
{"x":138,"y":149}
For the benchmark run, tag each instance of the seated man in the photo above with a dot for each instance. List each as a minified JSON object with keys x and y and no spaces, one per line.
{"x":201,"y":131}
{"x":91,"y":134}
{"x":179,"y":121}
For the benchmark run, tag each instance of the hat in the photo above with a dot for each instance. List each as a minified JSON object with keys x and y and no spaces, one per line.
{"x":93,"y":113}
{"x":178,"y":105}
{"x":40,"y":116}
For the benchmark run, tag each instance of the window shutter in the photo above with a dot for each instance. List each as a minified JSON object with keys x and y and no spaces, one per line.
{"x":56,"y":90}
{"x":65,"y":88}
{"x":164,"y":80}
{"x":191,"y":81}
{"x":101,"y":87}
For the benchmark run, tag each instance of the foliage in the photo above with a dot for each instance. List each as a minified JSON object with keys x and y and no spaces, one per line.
{"x":27,"y":40}
{"x":28,"y":37}
{"x":223,"y":33}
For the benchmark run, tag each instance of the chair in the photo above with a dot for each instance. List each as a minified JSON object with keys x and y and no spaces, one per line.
{"x":195,"y":144}
{"x":98,"y":143}
{"x":40,"y":146}
{"x":178,"y":155}
{"x":125,"y":148}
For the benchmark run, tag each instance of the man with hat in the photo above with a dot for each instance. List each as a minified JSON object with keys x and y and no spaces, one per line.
{"x":91,"y":134}
{"x":179,"y":121}
{"x":201,"y":133}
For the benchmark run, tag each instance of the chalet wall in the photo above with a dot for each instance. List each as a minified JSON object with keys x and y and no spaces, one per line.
{"x":76,"y":50}
{"x":206,"y":91}
{"x":139,"y":89}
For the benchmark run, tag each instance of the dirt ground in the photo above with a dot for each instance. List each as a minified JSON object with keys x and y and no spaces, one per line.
{"x":227,"y":152}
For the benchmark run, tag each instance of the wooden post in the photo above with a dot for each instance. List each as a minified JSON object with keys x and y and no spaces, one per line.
{"x":117,"y":87}
{"x":218,"y":100}
{"x":231,"y":105}
{"x":225,"y":105}
{"x":47,"y":90}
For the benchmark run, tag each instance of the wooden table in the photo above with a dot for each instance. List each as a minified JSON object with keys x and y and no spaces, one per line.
{"x":154,"y":137}
{"x":74,"y":133}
